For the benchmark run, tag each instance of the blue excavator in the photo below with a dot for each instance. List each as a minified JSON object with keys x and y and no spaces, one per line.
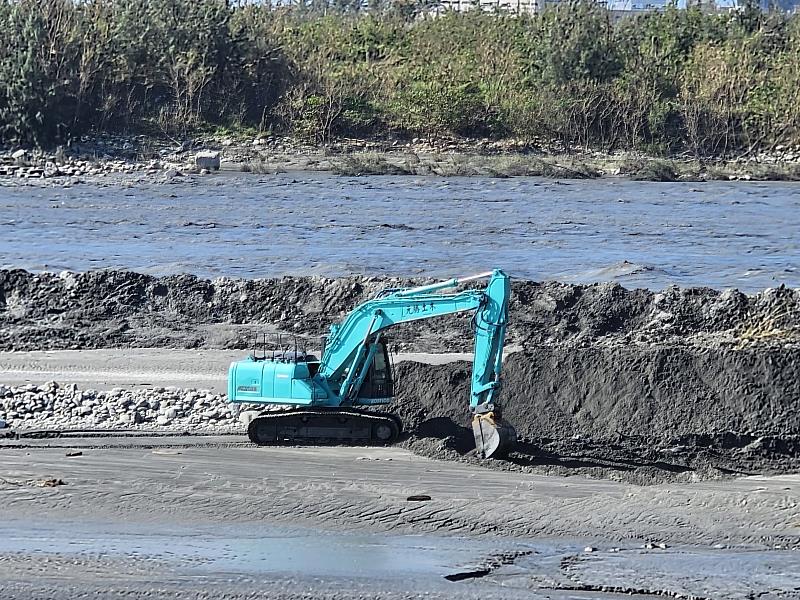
{"x":330,"y":396}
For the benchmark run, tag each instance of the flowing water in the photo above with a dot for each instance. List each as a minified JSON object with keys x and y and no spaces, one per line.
{"x":717,"y":234}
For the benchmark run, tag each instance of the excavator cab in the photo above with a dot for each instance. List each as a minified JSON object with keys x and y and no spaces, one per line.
{"x":378,"y":386}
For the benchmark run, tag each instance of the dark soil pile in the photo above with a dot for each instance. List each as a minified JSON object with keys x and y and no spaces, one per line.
{"x":120,"y":308}
{"x":638,"y":413}
{"x":630,"y":383}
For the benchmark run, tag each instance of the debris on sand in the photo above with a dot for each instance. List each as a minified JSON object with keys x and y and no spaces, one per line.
{"x":418,"y":498}
{"x":48,"y":482}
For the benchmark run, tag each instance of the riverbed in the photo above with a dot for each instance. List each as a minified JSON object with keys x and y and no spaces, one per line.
{"x":139,"y":518}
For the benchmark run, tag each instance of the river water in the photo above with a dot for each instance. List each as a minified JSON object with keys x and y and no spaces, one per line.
{"x":641,"y":234}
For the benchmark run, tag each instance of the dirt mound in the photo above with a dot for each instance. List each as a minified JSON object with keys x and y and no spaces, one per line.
{"x":679,"y":383}
{"x":120,"y":308}
{"x":645,"y":413}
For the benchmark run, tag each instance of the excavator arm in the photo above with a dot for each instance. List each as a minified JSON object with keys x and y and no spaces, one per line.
{"x":335,"y":381}
{"x":351,"y":344}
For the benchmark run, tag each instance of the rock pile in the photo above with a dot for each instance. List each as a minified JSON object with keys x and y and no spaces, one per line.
{"x":97,"y":160}
{"x":55,"y":406}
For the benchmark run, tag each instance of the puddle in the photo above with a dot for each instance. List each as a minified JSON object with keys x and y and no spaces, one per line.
{"x":558,"y":565}
{"x":256,"y":550}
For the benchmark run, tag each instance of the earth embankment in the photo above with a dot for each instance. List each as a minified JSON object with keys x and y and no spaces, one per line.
{"x":106,"y":309}
{"x":634,"y":412}
{"x":631,"y":383}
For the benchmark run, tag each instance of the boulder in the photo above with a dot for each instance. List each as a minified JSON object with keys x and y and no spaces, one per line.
{"x":207,"y":159}
{"x":248,"y":415}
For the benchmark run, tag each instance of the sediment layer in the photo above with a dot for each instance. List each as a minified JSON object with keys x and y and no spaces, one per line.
{"x":637,"y":413}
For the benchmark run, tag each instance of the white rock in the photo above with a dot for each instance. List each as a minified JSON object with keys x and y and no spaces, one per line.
{"x":248,"y":415}
{"x":19,"y":154}
{"x":163,"y":420}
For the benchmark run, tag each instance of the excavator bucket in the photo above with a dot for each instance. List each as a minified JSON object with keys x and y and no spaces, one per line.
{"x":494,"y":437}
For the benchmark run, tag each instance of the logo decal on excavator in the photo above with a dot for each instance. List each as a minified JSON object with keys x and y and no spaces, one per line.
{"x":418,"y":308}
{"x":247,"y":388}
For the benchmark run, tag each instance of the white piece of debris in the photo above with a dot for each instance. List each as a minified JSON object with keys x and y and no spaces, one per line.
{"x":248,"y":415}
{"x":652,"y":546}
{"x":208,"y":159}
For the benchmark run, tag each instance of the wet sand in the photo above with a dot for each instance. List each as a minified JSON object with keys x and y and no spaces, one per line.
{"x":150,"y":516}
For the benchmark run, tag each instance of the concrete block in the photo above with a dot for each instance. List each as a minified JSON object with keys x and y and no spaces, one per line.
{"x":207,"y":159}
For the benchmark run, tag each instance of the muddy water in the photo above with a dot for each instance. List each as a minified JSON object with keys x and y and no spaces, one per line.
{"x":719,"y":234}
{"x":256,"y":549}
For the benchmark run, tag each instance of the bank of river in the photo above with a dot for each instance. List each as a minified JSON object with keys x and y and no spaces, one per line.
{"x":642,"y":234}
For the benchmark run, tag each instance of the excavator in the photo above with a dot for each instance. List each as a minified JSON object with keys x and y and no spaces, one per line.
{"x":331,"y":395}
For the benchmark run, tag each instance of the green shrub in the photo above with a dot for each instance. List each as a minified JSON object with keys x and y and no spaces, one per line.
{"x":570,"y":76}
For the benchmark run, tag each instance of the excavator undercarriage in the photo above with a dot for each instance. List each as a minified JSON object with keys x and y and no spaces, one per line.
{"x":324,"y":425}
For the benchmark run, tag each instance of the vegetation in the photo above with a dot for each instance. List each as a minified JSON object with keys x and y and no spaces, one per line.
{"x":571,"y":76}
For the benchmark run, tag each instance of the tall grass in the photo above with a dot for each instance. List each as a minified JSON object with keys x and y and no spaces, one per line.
{"x":680,"y":80}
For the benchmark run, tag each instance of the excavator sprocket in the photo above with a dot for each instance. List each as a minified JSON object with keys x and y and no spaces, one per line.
{"x":325,"y":426}
{"x":494,"y":437}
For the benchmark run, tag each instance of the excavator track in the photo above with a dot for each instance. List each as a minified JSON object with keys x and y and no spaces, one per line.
{"x":325,"y":426}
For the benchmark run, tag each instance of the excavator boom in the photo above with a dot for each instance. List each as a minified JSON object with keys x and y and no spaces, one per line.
{"x":354,"y":370}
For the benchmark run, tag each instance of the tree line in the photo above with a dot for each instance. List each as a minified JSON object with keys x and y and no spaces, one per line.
{"x":572,"y":75}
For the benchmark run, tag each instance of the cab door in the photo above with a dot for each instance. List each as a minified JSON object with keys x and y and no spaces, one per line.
{"x":379,"y":383}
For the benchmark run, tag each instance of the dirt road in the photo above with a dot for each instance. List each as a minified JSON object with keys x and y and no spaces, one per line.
{"x":225,"y":499}
{"x":144,"y":367}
